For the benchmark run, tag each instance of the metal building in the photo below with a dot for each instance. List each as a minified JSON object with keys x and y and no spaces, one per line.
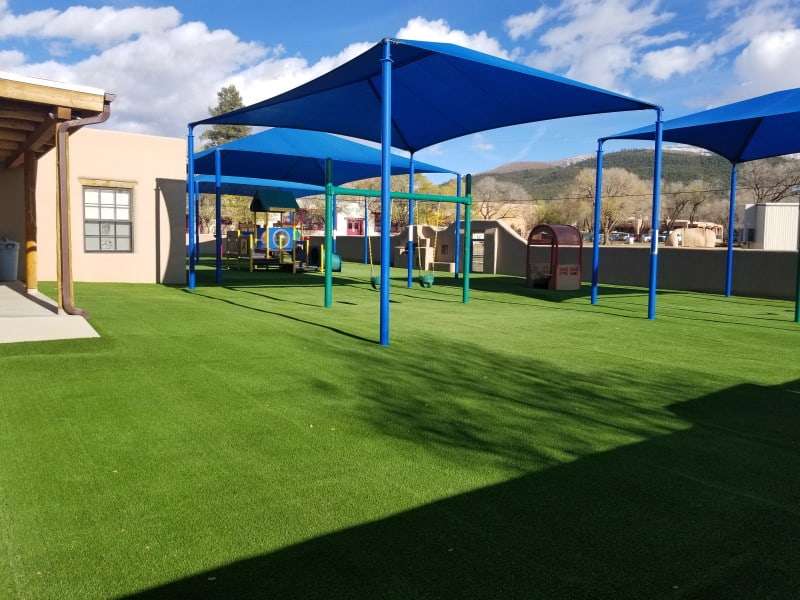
{"x":771,"y":226}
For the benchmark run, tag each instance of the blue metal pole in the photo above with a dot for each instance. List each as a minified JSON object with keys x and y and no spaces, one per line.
{"x":328,"y":255}
{"x":197,"y":222}
{"x":218,"y":215}
{"x":410,"y":245}
{"x":655,"y":219}
{"x":191,"y":279}
{"x":386,"y":183}
{"x":731,"y":219}
{"x":366,"y":232}
{"x":457,"y":228}
{"x":598,"y":208}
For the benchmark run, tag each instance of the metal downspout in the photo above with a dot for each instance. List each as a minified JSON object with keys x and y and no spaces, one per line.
{"x":63,"y":130}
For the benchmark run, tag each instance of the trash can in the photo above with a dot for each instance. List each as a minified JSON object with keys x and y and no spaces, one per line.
{"x":9,"y":259}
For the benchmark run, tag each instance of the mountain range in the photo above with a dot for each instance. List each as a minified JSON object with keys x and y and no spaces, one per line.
{"x":546,"y":180}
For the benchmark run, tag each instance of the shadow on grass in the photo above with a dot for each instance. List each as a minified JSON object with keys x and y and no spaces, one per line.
{"x":515,"y":285}
{"x":696,"y":499}
{"x":274,"y":313}
{"x":507,"y":284}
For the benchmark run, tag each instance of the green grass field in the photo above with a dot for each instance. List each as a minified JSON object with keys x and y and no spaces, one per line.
{"x":243,"y":442}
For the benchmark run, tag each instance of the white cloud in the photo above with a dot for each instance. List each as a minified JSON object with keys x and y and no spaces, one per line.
{"x":10,"y":59}
{"x":522,"y":26}
{"x":746,"y":21}
{"x":83,"y":25}
{"x":676,"y":60}
{"x":438,"y":30}
{"x":165,"y":72}
{"x":769,"y":63}
{"x":280,"y":73}
{"x":481,"y":144}
{"x":162,"y":80}
{"x":599,"y":41}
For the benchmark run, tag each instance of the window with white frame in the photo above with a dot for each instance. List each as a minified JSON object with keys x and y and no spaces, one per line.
{"x":107,"y":220}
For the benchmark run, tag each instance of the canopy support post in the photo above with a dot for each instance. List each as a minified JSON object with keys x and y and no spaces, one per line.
{"x":797,"y":280}
{"x":655,"y":220}
{"x":457,"y":228}
{"x":191,"y":280}
{"x":366,"y":232}
{"x":197,"y":223}
{"x":329,"y":200}
{"x":731,"y":219}
{"x":335,"y":221}
{"x":598,"y":208}
{"x":410,"y":244}
{"x":218,"y":216}
{"x":386,"y":183}
{"x":467,"y":241}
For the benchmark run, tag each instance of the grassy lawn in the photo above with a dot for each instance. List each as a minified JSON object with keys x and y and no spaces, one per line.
{"x":243,"y":442}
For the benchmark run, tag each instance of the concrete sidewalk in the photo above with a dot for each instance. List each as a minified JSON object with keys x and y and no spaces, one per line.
{"x":34,"y":317}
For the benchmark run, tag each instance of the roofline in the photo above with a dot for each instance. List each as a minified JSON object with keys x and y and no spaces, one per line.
{"x":72,"y":87}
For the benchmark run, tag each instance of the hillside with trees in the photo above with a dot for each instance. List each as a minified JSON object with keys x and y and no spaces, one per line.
{"x":678,"y":167}
{"x":695,"y":187}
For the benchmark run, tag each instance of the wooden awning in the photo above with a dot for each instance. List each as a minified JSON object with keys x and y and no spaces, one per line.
{"x":30,"y":109}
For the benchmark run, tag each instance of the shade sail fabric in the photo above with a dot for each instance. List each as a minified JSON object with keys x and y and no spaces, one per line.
{"x":270,"y":198}
{"x":248,"y":186}
{"x":296,"y":155}
{"x":748,"y":130}
{"x":440,"y":92}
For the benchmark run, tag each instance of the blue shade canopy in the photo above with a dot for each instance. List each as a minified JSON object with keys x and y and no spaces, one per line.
{"x":248,"y":186}
{"x":748,"y":130}
{"x":295,"y":155}
{"x":270,"y":198}
{"x":440,"y":92}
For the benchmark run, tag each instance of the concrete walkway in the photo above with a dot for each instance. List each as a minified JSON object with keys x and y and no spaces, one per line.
{"x":35,"y":318}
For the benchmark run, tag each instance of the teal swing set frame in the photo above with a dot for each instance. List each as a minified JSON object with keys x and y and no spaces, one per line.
{"x":332,"y":191}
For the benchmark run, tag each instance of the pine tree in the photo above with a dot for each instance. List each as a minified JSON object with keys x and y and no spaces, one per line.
{"x":228,"y":99}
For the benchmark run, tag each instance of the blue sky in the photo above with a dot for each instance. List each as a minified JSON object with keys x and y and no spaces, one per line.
{"x":165,"y":60}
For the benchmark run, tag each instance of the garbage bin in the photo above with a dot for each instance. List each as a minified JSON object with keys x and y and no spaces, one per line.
{"x":9,"y":259}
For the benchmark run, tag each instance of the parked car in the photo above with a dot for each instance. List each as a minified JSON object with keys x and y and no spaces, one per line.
{"x":620,"y":236}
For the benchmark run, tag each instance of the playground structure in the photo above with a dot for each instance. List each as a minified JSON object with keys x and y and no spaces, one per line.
{"x":395,"y":93}
{"x":557,"y":263}
{"x":259,"y":248}
{"x":295,"y":161}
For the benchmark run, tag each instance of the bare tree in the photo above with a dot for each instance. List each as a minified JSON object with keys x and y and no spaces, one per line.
{"x":496,"y":199}
{"x":624,"y":195}
{"x":769,"y":181}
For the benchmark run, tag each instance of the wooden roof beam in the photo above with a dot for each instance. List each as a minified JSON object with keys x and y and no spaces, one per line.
{"x":15,"y":112}
{"x":11,"y":135}
{"x":19,"y":124}
{"x":36,"y":141}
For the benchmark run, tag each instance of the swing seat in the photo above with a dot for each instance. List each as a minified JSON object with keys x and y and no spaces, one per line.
{"x":426,"y":280}
{"x":374,"y":281}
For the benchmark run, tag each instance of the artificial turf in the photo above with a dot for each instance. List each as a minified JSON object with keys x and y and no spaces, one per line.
{"x":243,"y":442}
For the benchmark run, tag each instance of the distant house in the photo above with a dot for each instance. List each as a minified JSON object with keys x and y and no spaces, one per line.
{"x":349,"y":220}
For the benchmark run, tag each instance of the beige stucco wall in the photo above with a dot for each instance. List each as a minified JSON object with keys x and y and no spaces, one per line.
{"x":100,"y":154}
{"x":758,"y":273}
